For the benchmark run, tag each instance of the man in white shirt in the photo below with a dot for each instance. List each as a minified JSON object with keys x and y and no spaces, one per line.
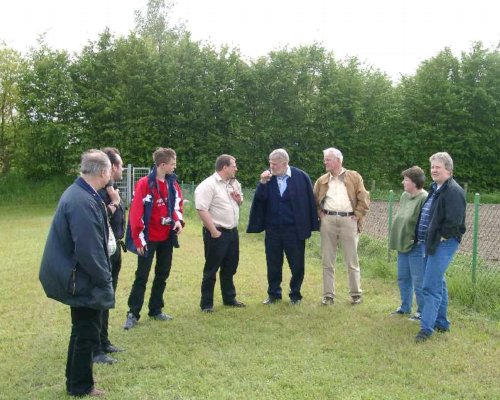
{"x":218,"y":199}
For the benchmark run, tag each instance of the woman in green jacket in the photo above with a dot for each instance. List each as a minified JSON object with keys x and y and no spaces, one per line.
{"x":403,"y":239}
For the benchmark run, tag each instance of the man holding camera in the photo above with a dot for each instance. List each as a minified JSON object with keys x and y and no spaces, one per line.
{"x":155,"y":220}
{"x":218,"y":199}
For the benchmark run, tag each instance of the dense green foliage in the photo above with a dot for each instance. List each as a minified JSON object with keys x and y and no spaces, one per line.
{"x":158,"y":87}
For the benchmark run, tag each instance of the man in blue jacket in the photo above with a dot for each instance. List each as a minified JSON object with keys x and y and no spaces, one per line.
{"x":284,"y":207}
{"x":75,"y":268}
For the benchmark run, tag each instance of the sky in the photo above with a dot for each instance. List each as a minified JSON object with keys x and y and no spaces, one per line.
{"x":394,"y":36}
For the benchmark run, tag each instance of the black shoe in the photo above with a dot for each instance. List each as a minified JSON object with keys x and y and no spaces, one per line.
{"x":399,"y":311}
{"x":235,"y":303}
{"x":440,"y":329}
{"x":270,"y":300}
{"x":355,"y":300}
{"x":109,"y":348}
{"x":103,"y":359}
{"x":207,"y":310}
{"x":295,"y":302}
{"x":422,"y":336}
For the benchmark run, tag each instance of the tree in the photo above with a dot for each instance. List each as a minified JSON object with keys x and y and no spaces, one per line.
{"x":49,"y":121}
{"x":11,"y":69}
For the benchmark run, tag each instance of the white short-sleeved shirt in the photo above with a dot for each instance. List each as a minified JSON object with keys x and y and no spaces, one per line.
{"x":214,"y":195}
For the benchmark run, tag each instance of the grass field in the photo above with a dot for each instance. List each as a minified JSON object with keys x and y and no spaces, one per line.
{"x":261,"y":352}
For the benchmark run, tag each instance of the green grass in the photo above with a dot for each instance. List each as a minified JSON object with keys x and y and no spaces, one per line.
{"x":261,"y":352}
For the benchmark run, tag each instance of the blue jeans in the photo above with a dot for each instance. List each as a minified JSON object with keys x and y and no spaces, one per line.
{"x":411,"y":269}
{"x":435,"y":310}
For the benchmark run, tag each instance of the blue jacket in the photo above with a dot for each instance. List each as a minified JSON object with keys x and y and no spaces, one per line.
{"x":75,"y":268}
{"x":303,"y":203}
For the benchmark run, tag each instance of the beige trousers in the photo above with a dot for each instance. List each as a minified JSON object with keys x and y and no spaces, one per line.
{"x":337,"y":230}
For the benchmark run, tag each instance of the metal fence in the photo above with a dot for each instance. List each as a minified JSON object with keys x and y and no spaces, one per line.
{"x":132,"y":174}
{"x":474,"y":276}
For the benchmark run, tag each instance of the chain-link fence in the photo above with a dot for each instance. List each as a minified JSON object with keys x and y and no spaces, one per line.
{"x":474,"y":276}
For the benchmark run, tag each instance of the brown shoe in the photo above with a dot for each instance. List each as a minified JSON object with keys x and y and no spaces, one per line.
{"x":94,"y":392}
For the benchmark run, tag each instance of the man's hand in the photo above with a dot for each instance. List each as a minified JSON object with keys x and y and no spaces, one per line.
{"x":265,"y":176}
{"x":237,"y":197}
{"x":142,"y":250}
{"x":114,"y":194}
{"x":215,"y":234}
{"x":178,"y":227}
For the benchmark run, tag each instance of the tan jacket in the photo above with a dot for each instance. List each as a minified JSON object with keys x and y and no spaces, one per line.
{"x":358,"y":195}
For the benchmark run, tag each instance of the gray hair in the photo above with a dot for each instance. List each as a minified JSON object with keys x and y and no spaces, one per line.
{"x":279,"y":155}
{"x":334,"y":152}
{"x":444,"y":158}
{"x":94,"y":162}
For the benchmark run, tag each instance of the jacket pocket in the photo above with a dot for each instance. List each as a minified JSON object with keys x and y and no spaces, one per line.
{"x":78,"y":282}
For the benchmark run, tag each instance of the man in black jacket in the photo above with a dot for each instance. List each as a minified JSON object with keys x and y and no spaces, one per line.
{"x":75,"y":268}
{"x":116,"y":214}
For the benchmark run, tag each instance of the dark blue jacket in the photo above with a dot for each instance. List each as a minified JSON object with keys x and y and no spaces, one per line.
{"x":447,"y":214}
{"x":304,"y":207}
{"x":75,"y":268}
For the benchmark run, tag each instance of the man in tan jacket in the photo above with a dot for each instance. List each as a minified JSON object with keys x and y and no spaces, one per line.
{"x":342,"y":202}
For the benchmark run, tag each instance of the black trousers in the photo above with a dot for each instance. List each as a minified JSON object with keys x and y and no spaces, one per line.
{"x":222,"y":252}
{"x":277,"y":242}
{"x":84,"y":338}
{"x":163,"y":251}
{"x":116,"y":266}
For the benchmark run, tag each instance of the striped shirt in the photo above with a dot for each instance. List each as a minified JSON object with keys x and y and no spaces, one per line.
{"x":425,"y":217}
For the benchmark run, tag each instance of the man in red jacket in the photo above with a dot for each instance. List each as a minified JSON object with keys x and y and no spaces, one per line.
{"x":155,"y":219}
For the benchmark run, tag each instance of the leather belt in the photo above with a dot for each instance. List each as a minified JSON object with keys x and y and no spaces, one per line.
{"x":220,"y":228}
{"x":338,"y":213}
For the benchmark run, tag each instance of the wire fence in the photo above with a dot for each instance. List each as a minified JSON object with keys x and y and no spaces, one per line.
{"x":474,"y":275}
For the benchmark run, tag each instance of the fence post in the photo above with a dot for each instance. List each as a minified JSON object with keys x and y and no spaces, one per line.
{"x":475,"y":234}
{"x":373,"y":186}
{"x":391,"y":200}
{"x":130,"y":188}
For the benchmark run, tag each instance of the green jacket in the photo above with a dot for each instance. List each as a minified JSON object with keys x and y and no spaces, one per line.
{"x":402,"y":235}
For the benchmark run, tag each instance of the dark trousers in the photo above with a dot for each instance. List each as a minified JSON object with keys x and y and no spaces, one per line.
{"x":116,"y":266}
{"x":279,"y":241}
{"x":163,"y":252}
{"x":223,"y":252}
{"x":84,"y":338}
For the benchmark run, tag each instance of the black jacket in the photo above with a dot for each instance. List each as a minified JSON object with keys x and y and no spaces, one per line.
{"x":447,"y":214}
{"x":75,"y":268}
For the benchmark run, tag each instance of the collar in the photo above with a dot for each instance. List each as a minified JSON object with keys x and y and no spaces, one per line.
{"x":288,"y":174}
{"x":330,"y":176}
{"x":219,"y":178}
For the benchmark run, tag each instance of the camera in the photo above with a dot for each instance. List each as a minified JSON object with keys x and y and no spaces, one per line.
{"x":166,"y":221}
